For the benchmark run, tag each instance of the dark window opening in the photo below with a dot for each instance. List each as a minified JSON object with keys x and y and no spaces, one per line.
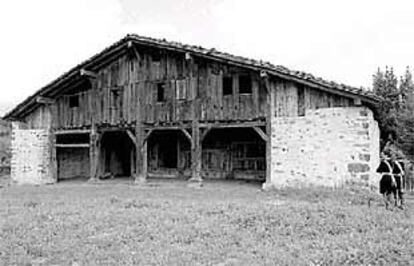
{"x":160,"y":92}
{"x":227,"y":85}
{"x":81,"y":138}
{"x":156,"y":56}
{"x":74,"y":101}
{"x":245,"y":84}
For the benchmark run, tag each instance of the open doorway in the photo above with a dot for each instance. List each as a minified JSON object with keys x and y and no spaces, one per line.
{"x":234,"y":153}
{"x":117,"y":154}
{"x":163,"y":153}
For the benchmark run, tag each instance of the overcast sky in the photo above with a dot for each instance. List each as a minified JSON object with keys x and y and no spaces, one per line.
{"x":343,"y":41}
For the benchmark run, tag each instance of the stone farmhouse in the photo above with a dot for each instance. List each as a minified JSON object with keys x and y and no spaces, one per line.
{"x":146,"y":107}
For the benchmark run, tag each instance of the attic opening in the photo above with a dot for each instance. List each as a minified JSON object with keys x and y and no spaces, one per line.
{"x":227,"y":85}
{"x":74,"y":101}
{"x":245,"y":84}
{"x":160,"y":92}
{"x":156,"y":56}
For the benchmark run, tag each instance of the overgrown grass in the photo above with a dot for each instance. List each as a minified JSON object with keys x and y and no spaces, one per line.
{"x":220,"y":224}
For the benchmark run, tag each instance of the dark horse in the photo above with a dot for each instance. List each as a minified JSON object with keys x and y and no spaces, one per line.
{"x":391,"y":182}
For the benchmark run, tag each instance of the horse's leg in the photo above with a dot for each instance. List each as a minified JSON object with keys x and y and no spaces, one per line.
{"x":395,"y":192}
{"x":385,"y":198}
{"x":401,"y":196}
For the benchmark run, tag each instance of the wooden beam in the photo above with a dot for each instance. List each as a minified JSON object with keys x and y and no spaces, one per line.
{"x":186,"y":134}
{"x":264,"y":74}
{"x":270,"y":106}
{"x":94,"y":139}
{"x":147,"y":135}
{"x":82,"y":145}
{"x":196,"y":154}
{"x":247,"y":124}
{"x":87,"y":73}
{"x":261,"y":133}
{"x":166,"y":127}
{"x":188,"y":56}
{"x":72,"y":131}
{"x":141,"y":164}
{"x":196,"y":145}
{"x":93,"y":156}
{"x":135,"y":52}
{"x":132,"y":137}
{"x":52,"y":138}
{"x":204,"y":133}
{"x":44,"y":100}
{"x":357,"y":101}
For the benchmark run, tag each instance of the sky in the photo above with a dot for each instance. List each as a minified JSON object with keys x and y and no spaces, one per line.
{"x":345,"y":41}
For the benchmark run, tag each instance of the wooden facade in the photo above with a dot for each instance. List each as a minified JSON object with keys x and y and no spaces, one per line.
{"x":213,"y":115}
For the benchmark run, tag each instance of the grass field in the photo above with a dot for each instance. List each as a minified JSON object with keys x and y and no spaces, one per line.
{"x":224,"y":223}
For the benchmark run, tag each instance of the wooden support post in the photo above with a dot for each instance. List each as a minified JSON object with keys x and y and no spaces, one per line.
{"x":93,"y":155}
{"x":196,"y":149}
{"x":53,"y":157}
{"x":94,"y":139}
{"x":195,"y":154}
{"x":270,"y":102}
{"x":141,"y":169}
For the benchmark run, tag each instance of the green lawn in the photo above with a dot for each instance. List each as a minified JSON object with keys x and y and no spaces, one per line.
{"x":224,"y":223}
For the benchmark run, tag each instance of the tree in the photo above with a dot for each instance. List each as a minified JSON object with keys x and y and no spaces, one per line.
{"x":395,"y":114}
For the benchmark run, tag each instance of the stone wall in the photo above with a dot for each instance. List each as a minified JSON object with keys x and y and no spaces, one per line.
{"x":329,"y":147}
{"x":31,"y":156}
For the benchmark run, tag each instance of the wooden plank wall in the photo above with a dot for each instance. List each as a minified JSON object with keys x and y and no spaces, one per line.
{"x":119,"y":82}
{"x":292,"y":99}
{"x":40,"y":118}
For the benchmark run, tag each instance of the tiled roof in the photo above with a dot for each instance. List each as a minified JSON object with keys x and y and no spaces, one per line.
{"x":212,"y":53}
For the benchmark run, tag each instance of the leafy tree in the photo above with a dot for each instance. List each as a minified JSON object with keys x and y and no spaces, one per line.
{"x":396,"y":112}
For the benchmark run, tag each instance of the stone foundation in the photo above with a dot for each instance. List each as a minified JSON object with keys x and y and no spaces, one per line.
{"x":326,"y":147}
{"x":31,"y":156}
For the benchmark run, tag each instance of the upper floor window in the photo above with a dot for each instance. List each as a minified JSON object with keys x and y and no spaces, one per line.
{"x":227,"y":85}
{"x":245,"y":84}
{"x":156,"y":56}
{"x":181,"y":89}
{"x":160,"y":92}
{"x":73,"y":101}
